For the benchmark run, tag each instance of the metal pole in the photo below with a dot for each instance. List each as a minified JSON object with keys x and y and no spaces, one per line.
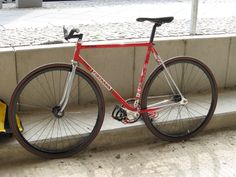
{"x":194,"y":17}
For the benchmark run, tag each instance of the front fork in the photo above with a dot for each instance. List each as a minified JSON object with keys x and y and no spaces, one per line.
{"x":67,"y":88}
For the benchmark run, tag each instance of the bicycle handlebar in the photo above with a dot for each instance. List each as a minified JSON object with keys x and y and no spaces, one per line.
{"x":71,"y":34}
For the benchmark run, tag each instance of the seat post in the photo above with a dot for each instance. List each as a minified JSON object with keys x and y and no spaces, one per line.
{"x":154,"y":31}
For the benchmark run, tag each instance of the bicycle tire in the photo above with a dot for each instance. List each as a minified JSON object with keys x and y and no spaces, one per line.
{"x":70,"y":133}
{"x":177,"y":123}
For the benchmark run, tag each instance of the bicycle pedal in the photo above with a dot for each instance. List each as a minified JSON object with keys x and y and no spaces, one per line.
{"x":119,"y":113}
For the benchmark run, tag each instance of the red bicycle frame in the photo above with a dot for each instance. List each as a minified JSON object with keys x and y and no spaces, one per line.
{"x":150,"y":48}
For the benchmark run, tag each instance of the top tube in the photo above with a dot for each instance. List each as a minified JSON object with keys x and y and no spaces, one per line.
{"x":141,"y":44}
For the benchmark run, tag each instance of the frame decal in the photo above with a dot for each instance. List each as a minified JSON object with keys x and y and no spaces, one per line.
{"x":101,"y":80}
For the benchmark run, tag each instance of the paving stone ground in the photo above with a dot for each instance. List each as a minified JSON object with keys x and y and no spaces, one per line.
{"x":110,"y":20}
{"x":208,"y":155}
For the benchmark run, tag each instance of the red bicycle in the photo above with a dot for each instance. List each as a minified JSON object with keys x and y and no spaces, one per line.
{"x":176,"y":101}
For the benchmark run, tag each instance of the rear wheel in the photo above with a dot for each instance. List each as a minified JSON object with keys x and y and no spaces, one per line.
{"x":179,"y":121}
{"x":35,"y":101}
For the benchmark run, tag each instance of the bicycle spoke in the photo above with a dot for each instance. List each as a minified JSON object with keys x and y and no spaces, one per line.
{"x":79,"y":121}
{"x":39,"y":92}
{"x":54,"y":92}
{"x":40,"y":130}
{"x":44,"y":91}
{"x":51,"y":92}
{"x":36,"y":124}
{"x":74,"y":127}
{"x":195,"y":111}
{"x":34,"y":106}
{"x":200,"y":106}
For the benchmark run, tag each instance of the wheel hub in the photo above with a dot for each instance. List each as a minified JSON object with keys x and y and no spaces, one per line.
{"x":56,"y":112}
{"x":181,"y":100}
{"x":177,"y":98}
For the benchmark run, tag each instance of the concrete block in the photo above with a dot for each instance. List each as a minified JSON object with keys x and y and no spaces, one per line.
{"x":28,"y":58}
{"x":8,"y":73}
{"x":115,"y":66}
{"x":231,"y":79}
{"x":166,"y":48}
{"x":213,"y":52}
{"x":28,"y":3}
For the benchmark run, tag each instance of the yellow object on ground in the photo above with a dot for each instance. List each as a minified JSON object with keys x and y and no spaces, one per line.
{"x":4,"y":127}
{"x":3,"y":110}
{"x":19,"y":123}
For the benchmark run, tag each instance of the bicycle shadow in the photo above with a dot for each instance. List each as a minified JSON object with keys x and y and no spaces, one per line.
{"x":191,"y":157}
{"x":13,"y":154}
{"x":156,"y":157}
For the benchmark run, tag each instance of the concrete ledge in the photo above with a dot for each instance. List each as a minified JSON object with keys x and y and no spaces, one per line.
{"x":120,"y":134}
{"x":224,"y":117}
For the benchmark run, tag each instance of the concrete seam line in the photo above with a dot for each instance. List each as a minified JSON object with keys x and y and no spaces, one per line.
{"x":185,"y":46}
{"x":133,"y":77}
{"x":227,"y":64}
{"x":17,"y":76}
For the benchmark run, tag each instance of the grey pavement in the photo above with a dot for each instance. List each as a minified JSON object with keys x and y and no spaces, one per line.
{"x":110,"y":20}
{"x":208,"y":155}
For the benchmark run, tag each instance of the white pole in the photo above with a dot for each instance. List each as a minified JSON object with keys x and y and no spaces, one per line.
{"x":194,"y":17}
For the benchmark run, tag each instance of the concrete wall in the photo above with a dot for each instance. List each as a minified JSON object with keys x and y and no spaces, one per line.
{"x":7,"y":73}
{"x":214,"y":53}
{"x":231,"y":70}
{"x":115,"y":66}
{"x":121,"y":67}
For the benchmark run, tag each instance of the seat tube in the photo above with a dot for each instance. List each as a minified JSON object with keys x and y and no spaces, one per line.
{"x":143,"y":73}
{"x":153,"y":32}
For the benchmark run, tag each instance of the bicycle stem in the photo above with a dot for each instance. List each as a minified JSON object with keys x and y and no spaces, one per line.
{"x":68,"y":86}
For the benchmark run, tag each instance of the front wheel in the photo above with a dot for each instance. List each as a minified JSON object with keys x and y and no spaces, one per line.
{"x":35,"y":102}
{"x":174,"y":121}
